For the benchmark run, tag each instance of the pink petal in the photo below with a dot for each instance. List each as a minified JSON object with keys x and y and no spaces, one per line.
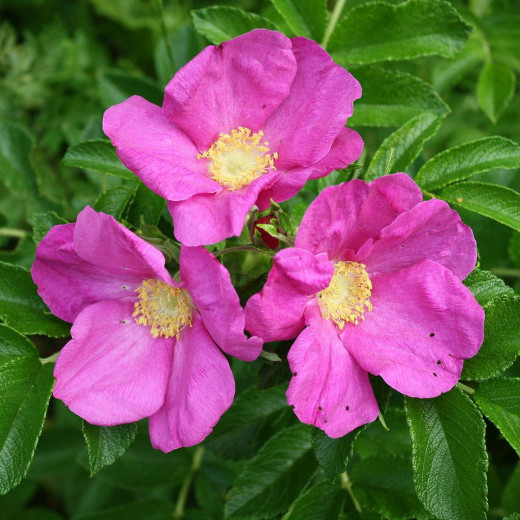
{"x":328,"y":388}
{"x":200,"y":390}
{"x":238,"y":83}
{"x":104,"y":242}
{"x":112,"y":371}
{"x":212,"y":292}
{"x":207,"y":219}
{"x":276,"y":313}
{"x":345,"y":216}
{"x":156,"y":150}
{"x":345,"y":150}
{"x":431,"y":230}
{"x":304,"y":127}
{"x":424,"y":323}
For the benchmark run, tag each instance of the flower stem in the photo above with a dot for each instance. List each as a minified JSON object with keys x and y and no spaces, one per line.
{"x":346,"y":484}
{"x":506,"y":271}
{"x":466,"y":389}
{"x":11,"y":232}
{"x":50,"y":359}
{"x":183,"y":493}
{"x":334,"y":17}
{"x":235,"y":249}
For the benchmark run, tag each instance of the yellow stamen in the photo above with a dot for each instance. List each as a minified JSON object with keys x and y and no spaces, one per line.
{"x":165,"y":309}
{"x":237,"y":159}
{"x":348,"y":294}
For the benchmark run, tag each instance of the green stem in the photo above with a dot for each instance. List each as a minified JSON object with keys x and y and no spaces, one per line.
{"x":466,"y":389}
{"x":244,"y":247}
{"x":334,"y":17}
{"x":428,"y":194}
{"x":183,"y":493}
{"x":346,"y":484}
{"x":11,"y":232}
{"x":50,"y":359}
{"x":164,"y":32}
{"x":506,"y":271}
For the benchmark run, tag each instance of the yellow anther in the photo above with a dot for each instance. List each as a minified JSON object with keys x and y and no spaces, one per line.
{"x":237,"y":159}
{"x":348,"y":294}
{"x":163,"y":308}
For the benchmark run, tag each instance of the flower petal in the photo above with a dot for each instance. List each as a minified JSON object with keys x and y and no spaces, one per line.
{"x":156,"y":150}
{"x":200,"y":390}
{"x":207,"y":219}
{"x":304,"y":127}
{"x":328,"y":388}
{"x":345,"y":150}
{"x":212,"y":292}
{"x":431,"y":230}
{"x":345,"y":216}
{"x":112,"y":371}
{"x":424,"y":323}
{"x":238,"y":83}
{"x":276,"y":313}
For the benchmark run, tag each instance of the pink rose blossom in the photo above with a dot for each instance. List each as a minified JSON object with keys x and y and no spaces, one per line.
{"x":374,"y":285}
{"x":242,"y":123}
{"x":143,"y":345}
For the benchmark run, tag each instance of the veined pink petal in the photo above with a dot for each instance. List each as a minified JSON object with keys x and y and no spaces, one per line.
{"x":114,"y":249}
{"x":207,"y":219}
{"x":345,"y":216}
{"x":304,"y":127}
{"x":236,"y":84}
{"x":276,"y":313}
{"x":212,"y":292}
{"x":68,"y":284}
{"x":200,"y":390}
{"x":430,"y":230}
{"x":112,"y":371}
{"x":345,"y":150}
{"x":424,"y":323}
{"x":328,"y":388}
{"x":157,"y":151}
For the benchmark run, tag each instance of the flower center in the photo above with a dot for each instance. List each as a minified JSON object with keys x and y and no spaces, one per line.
{"x":348,"y":294}
{"x":165,"y":309}
{"x":237,"y":159}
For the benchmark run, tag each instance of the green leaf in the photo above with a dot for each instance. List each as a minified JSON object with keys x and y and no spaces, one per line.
{"x":115,"y":200}
{"x":304,"y":17}
{"x":98,"y":155}
{"x":43,"y":222}
{"x":221,"y":23}
{"x":151,"y":509}
{"x":449,"y":455}
{"x":25,"y":387}
{"x":400,"y":149}
{"x":379,"y":31}
{"x":495,"y":89}
{"x":107,"y":443}
{"x":468,"y":159}
{"x":145,"y":204}
{"x":270,"y":482}
{"x":501,"y":339}
{"x":333,"y":454}
{"x":22,"y":309}
{"x":491,"y":200}
{"x":485,"y":286}
{"x":499,"y":399}
{"x":117,"y":86}
{"x":15,"y":169}
{"x":511,"y":495}
{"x":391,"y":98}
{"x":13,"y":343}
{"x":385,"y":484}
{"x":324,"y":501}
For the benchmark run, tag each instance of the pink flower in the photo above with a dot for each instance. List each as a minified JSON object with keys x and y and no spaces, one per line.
{"x":242,"y":123}
{"x":142,"y":344}
{"x":374,"y":285}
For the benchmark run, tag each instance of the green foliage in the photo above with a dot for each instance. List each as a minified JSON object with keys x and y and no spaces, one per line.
{"x":495,"y":88}
{"x":379,"y":31}
{"x":305,"y":17}
{"x":324,"y":501}
{"x":448,"y":455}
{"x":43,"y":222}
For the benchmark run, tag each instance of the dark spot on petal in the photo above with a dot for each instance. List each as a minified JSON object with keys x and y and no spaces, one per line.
{"x":124,"y":322}
{"x":263,"y":106}
{"x":439,"y":362}
{"x":320,"y":408}
{"x":347,"y":408}
{"x":435,"y":374}
{"x":295,"y":373}
{"x":432,"y":334}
